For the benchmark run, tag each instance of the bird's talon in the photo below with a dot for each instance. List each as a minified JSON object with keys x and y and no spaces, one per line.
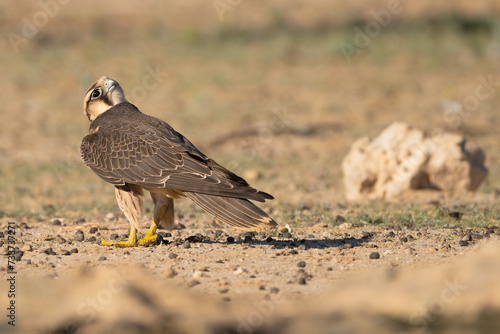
{"x":121,"y":244}
{"x":148,"y":239}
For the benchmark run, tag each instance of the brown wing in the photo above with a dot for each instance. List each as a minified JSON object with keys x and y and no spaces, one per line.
{"x":126,"y":146}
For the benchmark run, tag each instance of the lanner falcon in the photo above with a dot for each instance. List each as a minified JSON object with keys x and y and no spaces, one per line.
{"x":136,"y":152}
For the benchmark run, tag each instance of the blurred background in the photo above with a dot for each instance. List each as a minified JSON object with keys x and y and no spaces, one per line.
{"x":276,"y":91}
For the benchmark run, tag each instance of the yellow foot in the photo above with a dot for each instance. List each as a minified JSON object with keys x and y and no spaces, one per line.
{"x":122,"y":244}
{"x":148,"y":239}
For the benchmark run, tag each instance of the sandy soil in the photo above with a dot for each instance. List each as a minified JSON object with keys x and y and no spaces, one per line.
{"x":335,"y":279}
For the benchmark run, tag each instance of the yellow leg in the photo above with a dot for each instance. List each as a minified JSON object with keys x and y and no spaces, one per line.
{"x":150,"y":237}
{"x":131,"y":241}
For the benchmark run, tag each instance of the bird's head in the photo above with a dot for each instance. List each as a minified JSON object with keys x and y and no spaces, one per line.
{"x":102,"y":95}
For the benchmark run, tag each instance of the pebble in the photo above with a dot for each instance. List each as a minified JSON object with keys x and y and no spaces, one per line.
{"x":60,"y":239}
{"x":286,"y":235}
{"x":79,"y":221}
{"x":56,"y":222}
{"x":79,"y":237}
{"x":18,"y":255}
{"x":27,"y":248}
{"x":193,"y":283}
{"x":172,"y":255}
{"x":284,"y":230}
{"x":274,"y":290}
{"x":294,"y":252}
{"x":339,"y":219}
{"x":390,"y":234}
{"x":467,"y":237}
{"x":28,"y":261}
{"x":114,"y":236}
{"x":2,"y":235}
{"x":91,"y":239}
{"x":404,"y":239}
{"x":224,"y":290}
{"x":230,"y":240}
{"x":366,"y":235}
{"x":49,"y":251}
{"x":168,"y":273}
{"x":78,"y":232}
{"x":262,"y":287}
{"x":240,"y":271}
{"x":302,"y":247}
{"x":346,"y":246}
{"x":345,"y":226}
{"x":302,"y":280}
{"x":374,"y":255}
{"x":74,"y":251}
{"x":93,"y":230}
{"x":101,"y":258}
{"x":463,"y":243}
{"x":24,"y":226}
{"x":301,"y":264}
{"x":50,"y":265}
{"x":269,"y":239}
{"x":65,"y":252}
{"x":247,"y":239}
{"x":186,"y":245}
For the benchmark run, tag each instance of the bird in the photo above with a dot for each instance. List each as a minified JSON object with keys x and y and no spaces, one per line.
{"x":138,"y":153}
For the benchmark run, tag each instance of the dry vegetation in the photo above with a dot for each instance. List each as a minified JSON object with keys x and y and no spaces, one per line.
{"x":267,"y":92}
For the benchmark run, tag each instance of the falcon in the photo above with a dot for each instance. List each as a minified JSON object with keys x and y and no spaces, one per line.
{"x":138,"y":153}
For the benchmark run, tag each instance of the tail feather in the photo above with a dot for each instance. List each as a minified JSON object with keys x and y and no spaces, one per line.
{"x":236,"y":212}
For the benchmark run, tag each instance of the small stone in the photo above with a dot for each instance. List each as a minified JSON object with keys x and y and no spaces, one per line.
{"x":284,"y":230}
{"x":27,"y":248}
{"x":301,"y":264}
{"x":56,"y":222}
{"x":366,"y":235}
{"x":286,"y":235}
{"x":114,"y":236}
{"x":50,"y":265}
{"x":302,"y":280}
{"x":390,"y":235}
{"x":240,"y":271}
{"x":224,"y":290}
{"x":49,"y":251}
{"x":186,"y":245}
{"x":93,"y":230}
{"x":302,"y":247}
{"x":18,"y":255}
{"x":404,"y":239}
{"x":374,"y":255}
{"x":294,"y":252}
{"x":247,"y":239}
{"x":24,"y":226}
{"x":269,"y":239}
{"x":346,"y":246}
{"x":65,"y":252}
{"x":274,"y":290}
{"x":345,"y":226}
{"x":74,"y":251}
{"x":193,"y":283}
{"x":79,"y":221}
{"x":262,"y":287}
{"x":180,"y":226}
{"x":28,"y":261}
{"x":168,"y":273}
{"x":463,"y":243}
{"x":230,"y":240}
{"x":78,"y":232}
{"x":60,"y":239}
{"x":79,"y":237}
{"x":101,"y":258}
{"x":467,"y":237}
{"x":172,"y":255}
{"x":91,"y":239}
{"x":339,"y":219}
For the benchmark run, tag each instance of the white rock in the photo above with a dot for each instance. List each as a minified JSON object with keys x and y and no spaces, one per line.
{"x":404,"y":159}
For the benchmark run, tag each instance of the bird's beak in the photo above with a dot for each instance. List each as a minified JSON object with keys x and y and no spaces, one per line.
{"x":110,"y":84}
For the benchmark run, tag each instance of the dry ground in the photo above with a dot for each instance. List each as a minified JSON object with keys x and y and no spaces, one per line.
{"x":266,"y":91}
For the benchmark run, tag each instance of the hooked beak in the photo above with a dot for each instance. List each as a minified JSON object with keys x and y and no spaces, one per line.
{"x":110,"y":84}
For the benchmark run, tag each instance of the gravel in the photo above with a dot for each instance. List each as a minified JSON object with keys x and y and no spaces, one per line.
{"x":374,"y":255}
{"x":93,"y":230}
{"x":101,"y":258}
{"x":301,"y":264}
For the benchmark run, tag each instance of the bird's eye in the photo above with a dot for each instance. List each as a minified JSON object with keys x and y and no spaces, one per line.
{"x":96,"y":93}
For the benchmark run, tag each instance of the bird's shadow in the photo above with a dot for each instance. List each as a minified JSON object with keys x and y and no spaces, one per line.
{"x":343,"y":243}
